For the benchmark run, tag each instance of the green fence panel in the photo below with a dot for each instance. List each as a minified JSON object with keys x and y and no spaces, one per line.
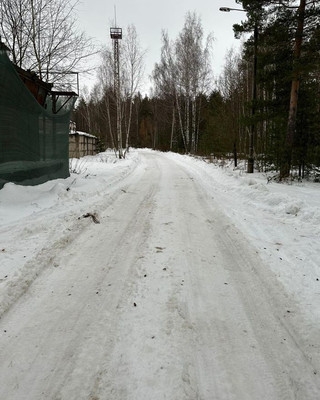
{"x":34,"y":141}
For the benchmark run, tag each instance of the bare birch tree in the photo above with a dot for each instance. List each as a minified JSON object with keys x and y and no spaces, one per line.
{"x":131,"y":74}
{"x":233,"y":85}
{"x":164,"y":78}
{"x":185,"y":70}
{"x":42,"y":36}
{"x":106,"y":79}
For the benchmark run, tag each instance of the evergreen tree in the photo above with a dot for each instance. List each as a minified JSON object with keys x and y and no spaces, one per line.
{"x":283,"y":26}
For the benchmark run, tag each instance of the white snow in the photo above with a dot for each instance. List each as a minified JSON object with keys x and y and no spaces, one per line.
{"x":178,"y":328}
{"x":281,"y":220}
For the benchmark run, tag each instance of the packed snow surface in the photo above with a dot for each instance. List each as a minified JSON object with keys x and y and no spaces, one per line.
{"x":159,"y":276}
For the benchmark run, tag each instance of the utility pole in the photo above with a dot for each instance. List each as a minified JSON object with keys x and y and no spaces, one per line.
{"x":116,"y":35}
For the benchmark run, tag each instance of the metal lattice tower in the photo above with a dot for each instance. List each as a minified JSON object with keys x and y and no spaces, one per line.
{"x":116,"y":34}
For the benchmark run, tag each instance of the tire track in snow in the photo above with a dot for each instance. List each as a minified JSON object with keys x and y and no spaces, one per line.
{"x":163,"y":299}
{"x":256,"y":352}
{"x":68,"y":317}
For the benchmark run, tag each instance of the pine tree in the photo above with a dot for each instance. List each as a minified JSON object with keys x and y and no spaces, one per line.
{"x":283,"y":26}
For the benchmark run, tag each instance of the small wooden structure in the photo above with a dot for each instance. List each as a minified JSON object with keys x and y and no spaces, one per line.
{"x":81,"y":143}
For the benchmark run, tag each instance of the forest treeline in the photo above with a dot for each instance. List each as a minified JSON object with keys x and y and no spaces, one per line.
{"x":267,"y":96}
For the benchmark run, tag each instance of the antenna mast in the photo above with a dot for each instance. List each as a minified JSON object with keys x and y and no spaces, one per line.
{"x":116,"y":35}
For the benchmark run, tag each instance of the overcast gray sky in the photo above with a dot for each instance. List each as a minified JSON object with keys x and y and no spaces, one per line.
{"x":151,"y":17}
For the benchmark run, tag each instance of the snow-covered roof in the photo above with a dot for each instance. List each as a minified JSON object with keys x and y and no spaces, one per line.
{"x":80,"y":133}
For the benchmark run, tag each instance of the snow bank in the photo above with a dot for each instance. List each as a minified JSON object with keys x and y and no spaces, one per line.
{"x":34,"y":218}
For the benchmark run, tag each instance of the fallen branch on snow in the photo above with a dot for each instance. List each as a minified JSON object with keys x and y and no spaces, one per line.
{"x":93,"y":216}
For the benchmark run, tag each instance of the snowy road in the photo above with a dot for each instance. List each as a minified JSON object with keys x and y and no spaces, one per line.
{"x":164,"y":299}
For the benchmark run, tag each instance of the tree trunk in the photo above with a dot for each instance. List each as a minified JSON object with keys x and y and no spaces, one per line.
{"x":287,"y":153}
{"x":129,"y":124}
{"x":235,"y":155}
{"x":107,"y":116}
{"x":193,"y":133}
{"x":187,"y":122}
{"x":172,"y":127}
{"x":180,"y":123}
